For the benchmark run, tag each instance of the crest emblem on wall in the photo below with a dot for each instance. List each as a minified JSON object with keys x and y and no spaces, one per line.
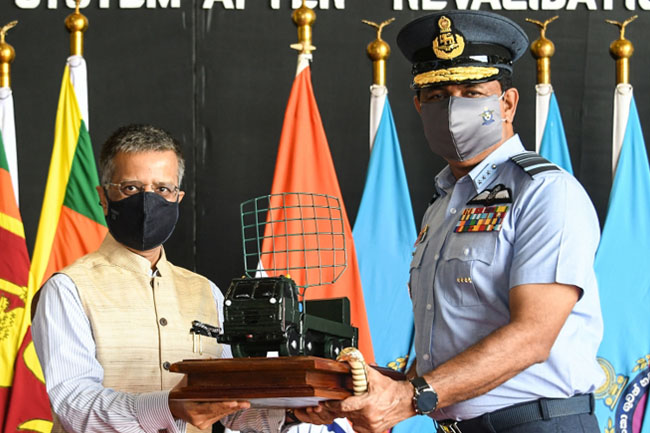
{"x":625,"y":396}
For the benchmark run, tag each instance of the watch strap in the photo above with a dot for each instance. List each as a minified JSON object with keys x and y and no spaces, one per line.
{"x":425,"y":398}
{"x":419,"y":383}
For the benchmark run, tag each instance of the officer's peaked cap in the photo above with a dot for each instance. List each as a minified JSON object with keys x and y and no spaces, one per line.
{"x":461,"y":47}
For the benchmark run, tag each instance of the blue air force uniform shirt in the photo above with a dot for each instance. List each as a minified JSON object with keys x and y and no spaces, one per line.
{"x":496,"y":228}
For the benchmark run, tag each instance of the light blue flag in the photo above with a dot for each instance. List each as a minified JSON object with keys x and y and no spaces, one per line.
{"x":384,"y":233}
{"x":624,"y":282}
{"x":554,"y":146}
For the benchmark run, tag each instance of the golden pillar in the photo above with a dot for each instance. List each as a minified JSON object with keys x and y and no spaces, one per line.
{"x":378,"y":51}
{"x":7,"y":55}
{"x":542,"y":50}
{"x":77,"y":24}
{"x":621,"y":50}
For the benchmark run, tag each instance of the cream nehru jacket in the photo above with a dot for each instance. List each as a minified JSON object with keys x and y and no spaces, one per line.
{"x":141,"y":324}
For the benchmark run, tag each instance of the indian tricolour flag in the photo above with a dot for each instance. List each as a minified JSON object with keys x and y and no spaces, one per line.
{"x":72,"y":222}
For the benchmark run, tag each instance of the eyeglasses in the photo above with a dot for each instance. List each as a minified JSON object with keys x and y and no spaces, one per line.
{"x":167,"y":191}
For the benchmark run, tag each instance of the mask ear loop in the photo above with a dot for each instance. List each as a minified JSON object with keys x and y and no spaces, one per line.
{"x":500,"y":98}
{"x":108,"y":200}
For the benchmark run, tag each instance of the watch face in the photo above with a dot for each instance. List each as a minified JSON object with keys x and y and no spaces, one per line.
{"x":427,"y":401}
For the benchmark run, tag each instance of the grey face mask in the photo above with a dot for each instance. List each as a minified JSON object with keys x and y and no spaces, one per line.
{"x":460,"y":128}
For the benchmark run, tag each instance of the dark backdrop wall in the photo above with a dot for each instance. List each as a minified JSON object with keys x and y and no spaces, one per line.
{"x":217,"y":75}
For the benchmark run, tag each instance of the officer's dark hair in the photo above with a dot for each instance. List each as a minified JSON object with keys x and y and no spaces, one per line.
{"x":137,"y":138}
{"x":506,"y":82}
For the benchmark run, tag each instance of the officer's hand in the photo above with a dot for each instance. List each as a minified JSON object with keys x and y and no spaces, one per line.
{"x":386,"y":403}
{"x":203,"y":414}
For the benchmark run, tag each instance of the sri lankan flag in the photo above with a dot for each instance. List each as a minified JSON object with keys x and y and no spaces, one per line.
{"x":24,"y":405}
{"x":72,"y":222}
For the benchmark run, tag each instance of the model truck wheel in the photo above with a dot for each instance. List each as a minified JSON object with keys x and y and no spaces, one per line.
{"x":238,"y":351}
{"x":242,"y":350}
{"x":292,"y":346}
{"x":332,"y":348}
{"x":310,"y":347}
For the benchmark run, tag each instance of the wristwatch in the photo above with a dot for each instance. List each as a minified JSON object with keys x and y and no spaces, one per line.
{"x":425,"y":399}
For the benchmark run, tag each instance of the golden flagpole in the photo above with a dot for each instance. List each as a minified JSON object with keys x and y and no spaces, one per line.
{"x":542,"y":50}
{"x":304,"y":18}
{"x":77,"y":24}
{"x":7,"y":55}
{"x":621,"y":50}
{"x":378,"y":51}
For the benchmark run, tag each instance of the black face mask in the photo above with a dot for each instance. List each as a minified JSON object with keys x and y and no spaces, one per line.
{"x":142,"y":221}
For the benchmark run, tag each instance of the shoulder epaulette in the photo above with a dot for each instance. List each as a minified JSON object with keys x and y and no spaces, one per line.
{"x":434,"y":198}
{"x":532,"y":163}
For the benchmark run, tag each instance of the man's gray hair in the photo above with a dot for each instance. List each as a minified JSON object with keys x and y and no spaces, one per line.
{"x":134,"y":139}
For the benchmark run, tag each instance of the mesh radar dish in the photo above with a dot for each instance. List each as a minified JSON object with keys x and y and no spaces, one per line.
{"x":298,"y":235}
{"x":291,"y":241}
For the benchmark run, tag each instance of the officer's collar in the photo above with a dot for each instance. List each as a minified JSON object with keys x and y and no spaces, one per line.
{"x":486,"y":170}
{"x":444,"y":180}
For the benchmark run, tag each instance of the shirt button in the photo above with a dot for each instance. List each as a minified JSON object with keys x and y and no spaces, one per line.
{"x":436,"y":257}
{"x":429,"y":306}
{"x":466,"y":251}
{"x":166,"y":365}
{"x":163,"y":321}
{"x":452,"y":210}
{"x":425,"y":356}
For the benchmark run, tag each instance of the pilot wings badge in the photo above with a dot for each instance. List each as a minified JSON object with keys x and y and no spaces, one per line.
{"x":497,"y":195}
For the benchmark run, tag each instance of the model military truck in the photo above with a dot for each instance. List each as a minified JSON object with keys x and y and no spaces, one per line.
{"x":301,"y":234}
{"x":264,"y":315}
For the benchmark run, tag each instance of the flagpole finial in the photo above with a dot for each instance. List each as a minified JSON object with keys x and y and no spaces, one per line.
{"x":304,"y":18}
{"x":621,"y":50}
{"x":378,"y":51}
{"x":542,"y":50}
{"x":7,"y":55}
{"x":77,"y":24}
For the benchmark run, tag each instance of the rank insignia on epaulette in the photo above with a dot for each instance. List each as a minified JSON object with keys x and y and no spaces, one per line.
{"x":481,"y":219}
{"x":498,"y":195}
{"x":533,"y":164}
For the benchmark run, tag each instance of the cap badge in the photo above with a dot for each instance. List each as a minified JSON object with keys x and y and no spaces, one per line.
{"x":447,"y":45}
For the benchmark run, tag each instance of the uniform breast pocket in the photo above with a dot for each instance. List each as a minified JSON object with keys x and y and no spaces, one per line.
{"x":416,"y":268}
{"x":465,"y":273}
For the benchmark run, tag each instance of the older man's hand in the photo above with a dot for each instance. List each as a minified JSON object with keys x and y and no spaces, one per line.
{"x":318,"y":415}
{"x":203,"y":414}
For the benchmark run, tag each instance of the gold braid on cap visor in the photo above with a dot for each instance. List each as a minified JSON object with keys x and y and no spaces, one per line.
{"x":458,"y":74}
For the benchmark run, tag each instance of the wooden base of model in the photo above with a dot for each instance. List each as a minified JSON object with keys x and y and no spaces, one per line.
{"x":284,"y":382}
